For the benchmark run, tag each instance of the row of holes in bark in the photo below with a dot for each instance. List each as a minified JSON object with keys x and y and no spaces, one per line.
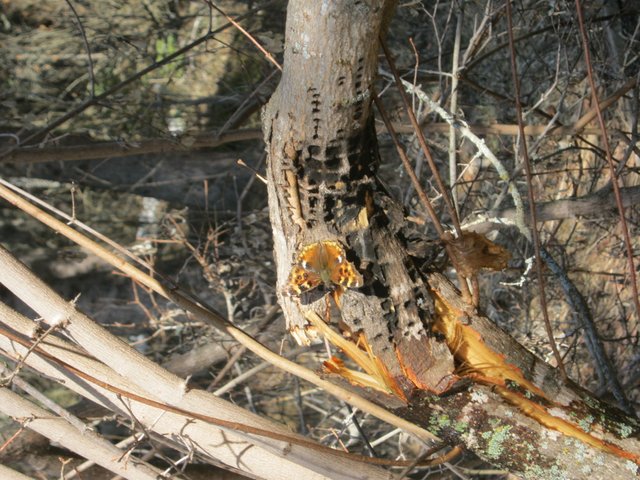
{"x":357,"y":101}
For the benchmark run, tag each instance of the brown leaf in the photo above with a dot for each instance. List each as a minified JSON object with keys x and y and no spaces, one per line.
{"x":472,"y":252}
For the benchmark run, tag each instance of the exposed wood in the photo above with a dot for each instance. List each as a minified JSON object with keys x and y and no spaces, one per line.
{"x":318,"y":125}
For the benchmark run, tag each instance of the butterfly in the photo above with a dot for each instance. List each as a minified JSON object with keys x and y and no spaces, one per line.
{"x":322,"y":263}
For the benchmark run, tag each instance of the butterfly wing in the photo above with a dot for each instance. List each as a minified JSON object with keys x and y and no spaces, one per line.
{"x":301,"y":280}
{"x":342,"y":271}
{"x":322,"y":263}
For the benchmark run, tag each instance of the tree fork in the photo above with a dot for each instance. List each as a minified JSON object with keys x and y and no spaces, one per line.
{"x":512,"y":409}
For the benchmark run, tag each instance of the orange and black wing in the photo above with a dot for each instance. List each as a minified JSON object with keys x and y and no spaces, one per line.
{"x":343,"y":272}
{"x":301,"y":280}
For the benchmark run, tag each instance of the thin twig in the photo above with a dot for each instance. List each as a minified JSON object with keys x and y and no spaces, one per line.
{"x":633,"y":140}
{"x":423,"y":144}
{"x":249,"y":373}
{"x":233,"y":119}
{"x":10,"y":440}
{"x":481,"y":145}
{"x":97,"y":99}
{"x":614,"y":178}
{"x":210,"y":316}
{"x":47,"y":402}
{"x":553,"y":27}
{"x":83,"y":226}
{"x":424,"y":199}
{"x":594,"y":205}
{"x":225,"y":369}
{"x":532,"y":207}
{"x":481,"y":36}
{"x":233,"y":425}
{"x":6,"y":381}
{"x":453,"y":106}
{"x":363,"y":436}
{"x":251,"y":38}
{"x":606,"y":373}
{"x":92,"y":79}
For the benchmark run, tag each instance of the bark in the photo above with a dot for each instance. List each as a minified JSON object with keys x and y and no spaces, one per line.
{"x":88,"y":444}
{"x":508,"y":406}
{"x":321,"y":173}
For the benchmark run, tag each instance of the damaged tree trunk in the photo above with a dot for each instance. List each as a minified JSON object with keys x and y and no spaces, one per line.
{"x":339,"y":238}
{"x":322,"y":186}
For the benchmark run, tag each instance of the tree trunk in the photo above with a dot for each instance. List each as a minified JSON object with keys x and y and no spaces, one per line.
{"x":442,"y":365}
{"x":322,"y":164}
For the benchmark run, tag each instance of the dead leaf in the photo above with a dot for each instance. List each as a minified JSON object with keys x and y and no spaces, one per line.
{"x":472,"y":252}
